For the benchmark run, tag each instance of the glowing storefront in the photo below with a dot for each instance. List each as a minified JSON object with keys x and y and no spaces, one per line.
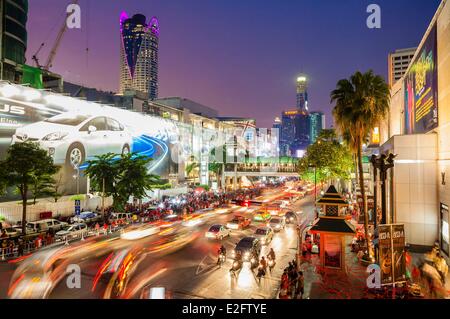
{"x":418,"y":131}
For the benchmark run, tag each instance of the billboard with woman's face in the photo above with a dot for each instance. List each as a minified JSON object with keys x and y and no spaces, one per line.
{"x":421,"y":100}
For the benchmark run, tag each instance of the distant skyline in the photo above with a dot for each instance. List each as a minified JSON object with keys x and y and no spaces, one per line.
{"x":239,"y":57}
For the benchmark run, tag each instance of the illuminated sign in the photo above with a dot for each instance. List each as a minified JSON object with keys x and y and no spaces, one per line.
{"x":376,"y":136}
{"x":290,"y":113}
{"x":421,"y":100}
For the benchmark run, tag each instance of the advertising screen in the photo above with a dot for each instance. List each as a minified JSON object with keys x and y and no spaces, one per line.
{"x":421,"y":103}
{"x":74,"y":131}
{"x":385,"y":251}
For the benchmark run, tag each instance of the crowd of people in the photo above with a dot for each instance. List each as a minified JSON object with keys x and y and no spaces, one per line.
{"x":13,"y":246}
{"x":292,"y":282}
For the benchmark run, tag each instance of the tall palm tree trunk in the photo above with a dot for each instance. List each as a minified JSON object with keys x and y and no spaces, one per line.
{"x":363,"y":194}
{"x":103,"y":198}
{"x":24,"y":210}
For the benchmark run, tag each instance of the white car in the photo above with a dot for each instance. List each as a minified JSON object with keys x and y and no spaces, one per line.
{"x":71,"y":138}
{"x":264,"y":234}
{"x":218,"y":232}
{"x":87,"y":217}
{"x":277,"y":224}
{"x":72,"y":231}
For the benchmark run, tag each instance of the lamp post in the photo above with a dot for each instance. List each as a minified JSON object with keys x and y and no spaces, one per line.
{"x":382,"y":164}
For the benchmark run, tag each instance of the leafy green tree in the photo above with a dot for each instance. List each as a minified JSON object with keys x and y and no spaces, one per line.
{"x":24,"y":163}
{"x":192,"y":170}
{"x":132,"y":178}
{"x":42,"y":186}
{"x":102,"y":173}
{"x":362,"y":101}
{"x":330,"y":158}
{"x":121,"y":176}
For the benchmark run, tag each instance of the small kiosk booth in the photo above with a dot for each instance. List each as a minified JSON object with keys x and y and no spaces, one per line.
{"x":332,"y":226}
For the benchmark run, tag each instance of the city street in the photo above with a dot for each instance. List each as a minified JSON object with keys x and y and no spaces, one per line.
{"x":179,"y":259}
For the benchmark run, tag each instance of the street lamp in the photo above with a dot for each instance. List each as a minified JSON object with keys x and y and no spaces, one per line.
{"x":383,"y":163}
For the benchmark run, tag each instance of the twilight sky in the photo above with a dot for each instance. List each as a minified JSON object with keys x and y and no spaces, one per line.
{"x":240,"y":57}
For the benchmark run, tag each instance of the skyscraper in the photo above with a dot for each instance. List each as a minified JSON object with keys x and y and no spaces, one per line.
{"x":302,"y":92}
{"x":317,"y":124}
{"x":398,"y":63}
{"x":139,"y":55}
{"x":13,"y":33}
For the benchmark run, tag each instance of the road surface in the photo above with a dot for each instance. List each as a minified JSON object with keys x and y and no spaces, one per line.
{"x":178,"y":258}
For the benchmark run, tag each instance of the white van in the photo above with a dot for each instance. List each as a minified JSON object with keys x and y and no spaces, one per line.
{"x":44,"y":225}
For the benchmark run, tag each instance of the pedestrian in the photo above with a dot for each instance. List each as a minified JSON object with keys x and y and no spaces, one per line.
{"x":284,"y":285}
{"x":20,"y":249}
{"x":294,"y":264}
{"x":300,"y":285}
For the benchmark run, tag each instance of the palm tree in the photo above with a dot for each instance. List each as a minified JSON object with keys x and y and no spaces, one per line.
{"x":101,"y":172}
{"x":361,"y":103}
{"x":191,"y":168}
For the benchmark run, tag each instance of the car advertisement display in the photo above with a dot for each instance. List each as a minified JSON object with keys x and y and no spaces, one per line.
{"x":385,"y":254}
{"x":421,"y":100}
{"x":74,"y":131}
{"x":398,"y":247}
{"x":391,"y":253}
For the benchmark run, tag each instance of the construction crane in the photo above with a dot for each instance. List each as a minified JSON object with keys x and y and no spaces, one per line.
{"x":55,"y":47}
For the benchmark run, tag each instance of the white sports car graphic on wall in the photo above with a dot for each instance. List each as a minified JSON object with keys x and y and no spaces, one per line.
{"x":71,"y":138}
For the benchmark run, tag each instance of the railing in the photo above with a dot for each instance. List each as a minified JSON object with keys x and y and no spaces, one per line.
{"x":13,"y":252}
{"x":263,"y":168}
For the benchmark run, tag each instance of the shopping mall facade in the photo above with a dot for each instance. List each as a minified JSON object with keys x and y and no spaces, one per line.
{"x":418,"y":131}
{"x":74,"y":130}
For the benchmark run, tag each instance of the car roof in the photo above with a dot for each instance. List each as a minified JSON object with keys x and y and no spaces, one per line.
{"x":216,"y":225}
{"x":263,"y":228}
{"x":42,"y":221}
{"x":75,"y":224}
{"x":248,"y":239}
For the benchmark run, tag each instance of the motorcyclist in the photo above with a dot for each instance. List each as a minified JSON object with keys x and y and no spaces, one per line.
{"x":263,"y":263}
{"x":262,"y":267}
{"x":238,"y":260}
{"x":222,"y":251}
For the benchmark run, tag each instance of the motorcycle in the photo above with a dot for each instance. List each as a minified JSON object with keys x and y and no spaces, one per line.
{"x":271,"y":263}
{"x":261,"y":273}
{"x":221,"y":260}
{"x":235,"y":268}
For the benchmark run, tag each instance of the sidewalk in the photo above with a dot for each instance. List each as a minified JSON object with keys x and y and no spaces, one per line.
{"x":331,"y":284}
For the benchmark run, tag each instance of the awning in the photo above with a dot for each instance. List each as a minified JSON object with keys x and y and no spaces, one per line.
{"x":332,"y":196}
{"x":333,"y":225}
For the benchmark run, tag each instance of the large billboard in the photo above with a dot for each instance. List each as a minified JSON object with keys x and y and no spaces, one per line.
{"x":421,"y":100}
{"x":74,"y":131}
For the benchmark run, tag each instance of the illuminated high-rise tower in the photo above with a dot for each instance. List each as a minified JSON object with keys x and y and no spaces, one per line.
{"x":302,"y":93}
{"x":139,"y":54}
